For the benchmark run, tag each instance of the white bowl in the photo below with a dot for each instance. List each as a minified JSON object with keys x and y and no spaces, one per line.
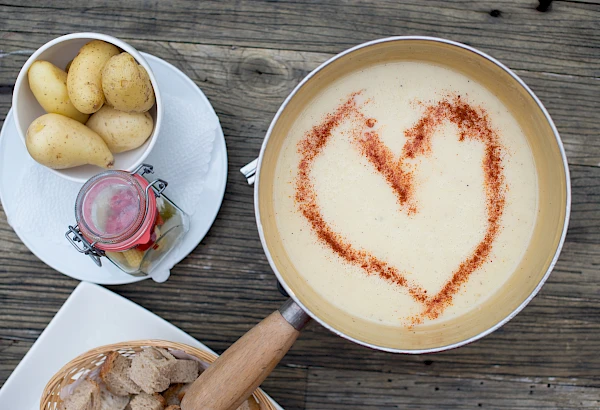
{"x":59,"y":52}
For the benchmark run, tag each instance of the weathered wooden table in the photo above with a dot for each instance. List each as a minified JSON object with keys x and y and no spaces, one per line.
{"x":247,"y":56}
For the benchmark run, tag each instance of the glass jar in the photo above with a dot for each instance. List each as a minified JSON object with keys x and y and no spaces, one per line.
{"x":122,"y":216}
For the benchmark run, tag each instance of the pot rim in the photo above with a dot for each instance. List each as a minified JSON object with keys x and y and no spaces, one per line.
{"x":518,"y":308}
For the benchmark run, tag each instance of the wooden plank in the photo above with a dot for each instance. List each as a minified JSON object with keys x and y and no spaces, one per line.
{"x":520,"y":35}
{"x":247,"y":85}
{"x":582,"y":1}
{"x":371,"y":390}
{"x":585,"y":218}
{"x":11,"y":351}
{"x":287,"y":385}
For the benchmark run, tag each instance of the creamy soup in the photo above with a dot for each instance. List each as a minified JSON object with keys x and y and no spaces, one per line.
{"x":405,"y":193}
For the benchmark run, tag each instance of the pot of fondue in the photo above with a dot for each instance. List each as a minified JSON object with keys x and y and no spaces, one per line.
{"x":412,"y":195}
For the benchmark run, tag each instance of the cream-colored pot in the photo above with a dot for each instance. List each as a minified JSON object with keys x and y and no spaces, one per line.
{"x":246,"y":363}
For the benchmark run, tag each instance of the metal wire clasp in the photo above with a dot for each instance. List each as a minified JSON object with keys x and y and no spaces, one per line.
{"x":82,"y":245}
{"x":159,"y":185}
{"x":143,"y":169}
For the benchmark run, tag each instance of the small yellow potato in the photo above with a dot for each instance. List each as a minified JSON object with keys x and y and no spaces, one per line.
{"x":60,"y":142}
{"x":126,"y":84}
{"x":84,"y":79}
{"x":122,"y":131}
{"x":48,"y":84}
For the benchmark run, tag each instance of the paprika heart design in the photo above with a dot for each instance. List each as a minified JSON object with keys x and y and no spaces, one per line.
{"x":472,"y":123}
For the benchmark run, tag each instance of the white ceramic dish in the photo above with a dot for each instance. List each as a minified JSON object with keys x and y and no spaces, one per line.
{"x":59,"y":52}
{"x":67,"y":336}
{"x":65,"y":259}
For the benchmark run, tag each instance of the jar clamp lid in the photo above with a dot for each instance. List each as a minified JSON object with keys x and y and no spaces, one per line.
{"x":115,"y":211}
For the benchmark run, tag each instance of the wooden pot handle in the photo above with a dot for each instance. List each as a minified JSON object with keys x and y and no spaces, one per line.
{"x":233,"y":377}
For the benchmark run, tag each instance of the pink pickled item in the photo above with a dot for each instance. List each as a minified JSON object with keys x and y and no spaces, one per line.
{"x":111,"y":211}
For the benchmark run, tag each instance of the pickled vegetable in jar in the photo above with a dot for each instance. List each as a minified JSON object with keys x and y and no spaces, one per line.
{"x":122,"y":216}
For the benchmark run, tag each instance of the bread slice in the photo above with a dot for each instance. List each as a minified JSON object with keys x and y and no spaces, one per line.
{"x":110,"y":401}
{"x":173,"y":407}
{"x":115,"y":374}
{"x":151,"y":369}
{"x":145,"y":401}
{"x":171,"y":395}
{"x":86,"y":396}
{"x":185,"y":371}
{"x":182,"y":390}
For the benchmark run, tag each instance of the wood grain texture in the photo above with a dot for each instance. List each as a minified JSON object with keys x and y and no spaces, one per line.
{"x":522,"y":36}
{"x":247,"y":56}
{"x":374,"y":390}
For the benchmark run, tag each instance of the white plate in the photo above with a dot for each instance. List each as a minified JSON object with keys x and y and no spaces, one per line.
{"x":92,"y":316}
{"x":71,"y":263}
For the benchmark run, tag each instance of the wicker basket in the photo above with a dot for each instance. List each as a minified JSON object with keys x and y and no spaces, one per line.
{"x":94,"y":358}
